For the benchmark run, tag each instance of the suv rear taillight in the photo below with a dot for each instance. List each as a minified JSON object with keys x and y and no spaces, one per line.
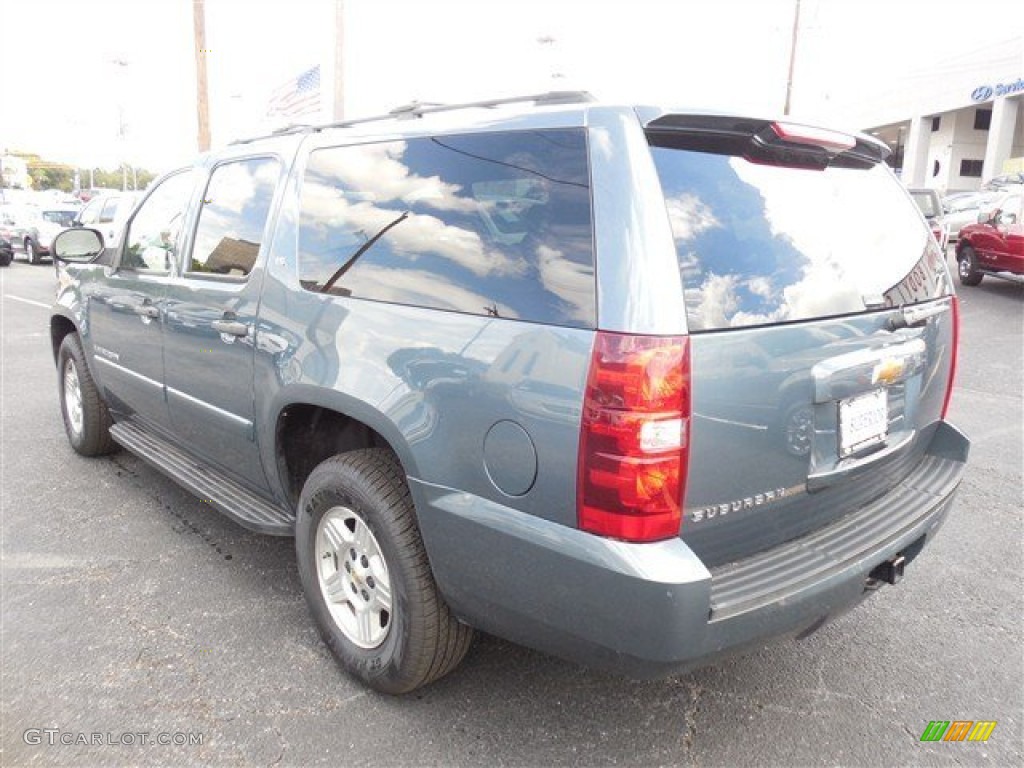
{"x":953,"y":356}
{"x":634,"y":437}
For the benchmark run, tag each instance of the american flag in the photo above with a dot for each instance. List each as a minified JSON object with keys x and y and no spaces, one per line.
{"x":299,"y":96}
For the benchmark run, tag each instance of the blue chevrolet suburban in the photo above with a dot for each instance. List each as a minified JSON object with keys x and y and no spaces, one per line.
{"x":618,"y":383}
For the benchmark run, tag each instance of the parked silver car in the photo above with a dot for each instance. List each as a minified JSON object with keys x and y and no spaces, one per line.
{"x":962,"y":210}
{"x":33,"y":228}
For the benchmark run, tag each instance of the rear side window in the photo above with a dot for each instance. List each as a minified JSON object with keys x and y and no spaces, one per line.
{"x":762,"y":244}
{"x":233,"y":217}
{"x":495,"y":224}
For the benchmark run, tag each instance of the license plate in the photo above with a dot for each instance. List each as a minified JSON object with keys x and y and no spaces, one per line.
{"x":863,"y":421}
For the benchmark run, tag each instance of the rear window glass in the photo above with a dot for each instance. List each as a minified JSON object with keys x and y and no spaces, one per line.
{"x":495,"y":224}
{"x":928,"y":203}
{"x":63,"y":218}
{"x":762,"y":244}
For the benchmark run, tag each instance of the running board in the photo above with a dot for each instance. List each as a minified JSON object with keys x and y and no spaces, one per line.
{"x":212,"y":486}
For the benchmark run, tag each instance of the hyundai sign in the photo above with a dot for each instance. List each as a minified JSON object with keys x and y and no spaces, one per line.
{"x":986,"y":92}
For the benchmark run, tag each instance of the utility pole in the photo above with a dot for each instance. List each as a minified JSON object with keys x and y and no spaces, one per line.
{"x":792,"y":58}
{"x":202,"y":100}
{"x":338,"y":96}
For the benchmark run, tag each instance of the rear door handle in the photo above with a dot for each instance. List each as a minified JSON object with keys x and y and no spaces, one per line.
{"x":231,"y":327}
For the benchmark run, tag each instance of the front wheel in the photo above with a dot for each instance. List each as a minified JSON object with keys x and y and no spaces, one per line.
{"x":31,"y":252}
{"x":967,"y":266}
{"x":86,"y":418}
{"x":366,"y":578}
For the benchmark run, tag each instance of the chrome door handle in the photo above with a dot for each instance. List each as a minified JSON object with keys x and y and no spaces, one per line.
{"x":231,"y":327}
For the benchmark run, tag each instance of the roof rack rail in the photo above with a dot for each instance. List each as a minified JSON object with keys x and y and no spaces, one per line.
{"x":285,"y":131}
{"x":419,"y":109}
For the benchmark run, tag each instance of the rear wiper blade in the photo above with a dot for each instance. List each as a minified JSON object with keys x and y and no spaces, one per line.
{"x":362,"y":249}
{"x":913,"y":315}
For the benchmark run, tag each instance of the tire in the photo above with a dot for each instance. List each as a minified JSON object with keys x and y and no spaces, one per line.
{"x":967,"y":266}
{"x":86,"y":418}
{"x":6,"y":257}
{"x":386,"y":622}
{"x":31,"y":253}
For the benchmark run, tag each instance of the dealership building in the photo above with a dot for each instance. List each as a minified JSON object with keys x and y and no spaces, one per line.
{"x":957,"y":124}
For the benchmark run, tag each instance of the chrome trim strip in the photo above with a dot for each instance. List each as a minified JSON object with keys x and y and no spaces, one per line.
{"x":128,"y":372}
{"x":246,"y":423}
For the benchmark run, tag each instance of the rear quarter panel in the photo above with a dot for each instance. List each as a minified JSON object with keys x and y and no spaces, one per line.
{"x":432,"y":383}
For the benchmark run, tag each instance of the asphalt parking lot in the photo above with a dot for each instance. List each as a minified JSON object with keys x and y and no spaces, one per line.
{"x":131,"y":607}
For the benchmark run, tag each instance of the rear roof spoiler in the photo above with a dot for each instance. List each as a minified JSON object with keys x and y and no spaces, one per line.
{"x":766,"y":141}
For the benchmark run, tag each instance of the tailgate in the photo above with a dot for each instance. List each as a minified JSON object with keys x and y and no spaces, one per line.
{"x":822,"y":327}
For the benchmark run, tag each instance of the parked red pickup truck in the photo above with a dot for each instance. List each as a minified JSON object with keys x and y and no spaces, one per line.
{"x":995,"y":245}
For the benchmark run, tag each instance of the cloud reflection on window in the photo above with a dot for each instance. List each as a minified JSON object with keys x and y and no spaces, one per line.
{"x":496,"y":224}
{"x":762,"y":244}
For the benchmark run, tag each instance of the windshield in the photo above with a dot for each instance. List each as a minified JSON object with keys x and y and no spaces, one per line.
{"x":761,"y":244}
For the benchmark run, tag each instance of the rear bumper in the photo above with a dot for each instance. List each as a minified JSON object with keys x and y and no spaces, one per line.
{"x":652,"y":609}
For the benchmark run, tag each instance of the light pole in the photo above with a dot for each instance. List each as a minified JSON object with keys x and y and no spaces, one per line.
{"x":123,"y":65}
{"x":548,"y":42}
{"x":792,"y":58}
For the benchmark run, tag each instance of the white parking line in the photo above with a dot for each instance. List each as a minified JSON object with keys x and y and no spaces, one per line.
{"x":27,"y":301}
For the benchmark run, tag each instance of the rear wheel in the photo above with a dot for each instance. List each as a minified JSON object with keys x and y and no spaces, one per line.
{"x":967,"y":266}
{"x":86,"y":418}
{"x":6,"y":257}
{"x":366,"y":578}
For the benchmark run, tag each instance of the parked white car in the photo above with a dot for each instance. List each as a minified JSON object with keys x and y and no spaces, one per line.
{"x":108,"y":213}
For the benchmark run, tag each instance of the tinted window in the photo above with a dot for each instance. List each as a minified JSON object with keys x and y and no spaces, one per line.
{"x":927,"y":202}
{"x":63,"y":218}
{"x":492,"y":224}
{"x":760,"y":244}
{"x":233,"y":217}
{"x":90,"y":212}
{"x":153,"y":234}
{"x":109,"y":210}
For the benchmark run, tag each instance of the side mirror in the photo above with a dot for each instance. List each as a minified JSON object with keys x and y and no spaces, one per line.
{"x":77,"y":246}
{"x":1006,"y":218}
